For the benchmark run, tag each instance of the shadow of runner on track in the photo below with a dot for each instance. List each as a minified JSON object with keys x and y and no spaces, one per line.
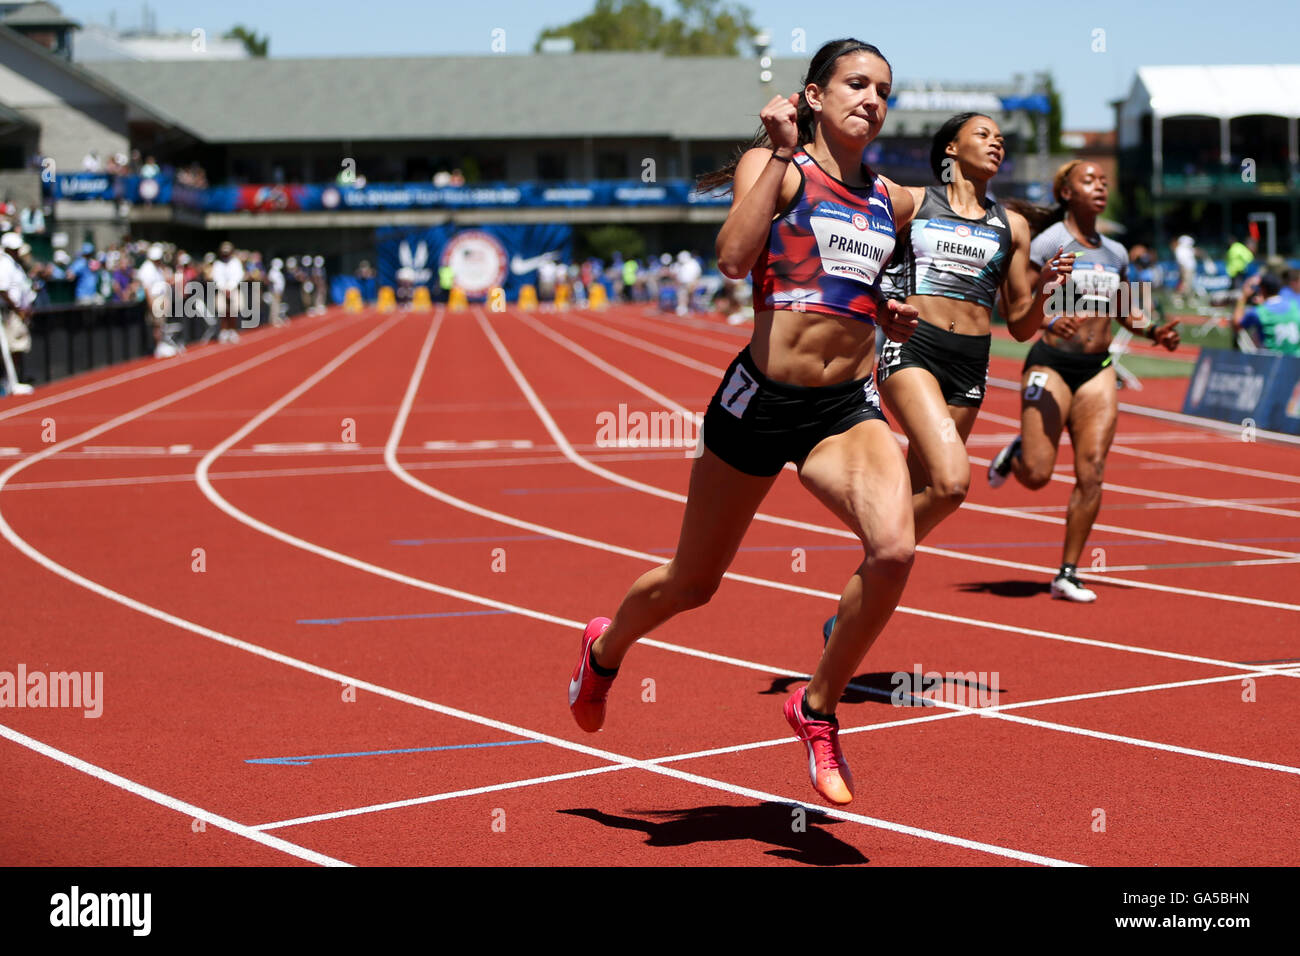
{"x":1013,"y":589}
{"x":799,"y":836}
{"x":881,"y":688}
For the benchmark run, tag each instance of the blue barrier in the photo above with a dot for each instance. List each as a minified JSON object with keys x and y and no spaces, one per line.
{"x":1247,"y":389}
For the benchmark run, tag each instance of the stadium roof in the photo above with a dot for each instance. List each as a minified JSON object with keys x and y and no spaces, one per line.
{"x":584,"y":94}
{"x":476,"y":97}
{"x":37,"y":15}
{"x":1220,"y":91}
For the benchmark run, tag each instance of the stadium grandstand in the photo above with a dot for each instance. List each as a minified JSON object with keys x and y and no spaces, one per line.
{"x":1209,"y":149}
{"x":339,"y":155}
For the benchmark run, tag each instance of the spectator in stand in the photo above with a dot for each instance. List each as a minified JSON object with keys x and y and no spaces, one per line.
{"x":84,"y":271}
{"x":631,"y":280}
{"x":150,"y":169}
{"x":59,"y":267}
{"x":457,"y":178}
{"x":305,"y":287}
{"x":1272,"y":320}
{"x":275,"y":281}
{"x":687,"y":272}
{"x":90,"y":163}
{"x":16,"y":299}
{"x":227,"y":274}
{"x":367,"y":281}
{"x":320,"y":295}
{"x":1185,"y":255}
{"x":446,"y":281}
{"x":404,"y":294}
{"x":153,"y":284}
{"x":1238,"y":259}
{"x":1291,"y":284}
{"x":122,"y":277}
{"x":547,"y":276}
{"x":441,"y":179}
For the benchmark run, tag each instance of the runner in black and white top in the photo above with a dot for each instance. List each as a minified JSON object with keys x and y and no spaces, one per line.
{"x":961,"y":251}
{"x":1068,"y":379}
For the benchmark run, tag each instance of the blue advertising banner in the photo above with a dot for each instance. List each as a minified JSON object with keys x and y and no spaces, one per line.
{"x":481,"y":257}
{"x":135,"y":189}
{"x":328,"y":197}
{"x":1247,"y":389}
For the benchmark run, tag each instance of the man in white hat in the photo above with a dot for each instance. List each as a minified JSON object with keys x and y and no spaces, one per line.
{"x":227,"y":274}
{"x":275,"y":279}
{"x":16,"y":298}
{"x":154,"y":283}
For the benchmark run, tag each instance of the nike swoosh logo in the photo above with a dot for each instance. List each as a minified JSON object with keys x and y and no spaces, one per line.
{"x":519,"y":266}
{"x":574,"y":686}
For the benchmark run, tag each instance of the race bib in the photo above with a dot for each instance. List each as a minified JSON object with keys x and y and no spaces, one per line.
{"x":851,"y":244}
{"x":1034,"y":387}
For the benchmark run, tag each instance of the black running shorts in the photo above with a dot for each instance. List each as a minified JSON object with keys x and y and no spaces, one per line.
{"x":959,"y":363}
{"x":1075,"y":367}
{"x":756,"y":425}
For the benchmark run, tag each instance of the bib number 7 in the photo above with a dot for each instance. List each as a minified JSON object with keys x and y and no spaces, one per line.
{"x":737,"y":392}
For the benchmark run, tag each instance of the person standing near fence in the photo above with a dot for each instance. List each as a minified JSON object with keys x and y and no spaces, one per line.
{"x":15,"y":300}
{"x":227,"y":274}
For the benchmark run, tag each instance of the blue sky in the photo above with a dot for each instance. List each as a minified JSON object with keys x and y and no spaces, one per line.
{"x":938,"y":41}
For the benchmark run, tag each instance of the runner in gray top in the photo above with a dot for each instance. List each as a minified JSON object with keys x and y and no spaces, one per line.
{"x":1068,"y":380}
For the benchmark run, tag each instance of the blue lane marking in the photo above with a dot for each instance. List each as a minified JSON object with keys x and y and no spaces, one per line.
{"x":398,"y":617}
{"x":506,"y":537}
{"x":303,"y":761}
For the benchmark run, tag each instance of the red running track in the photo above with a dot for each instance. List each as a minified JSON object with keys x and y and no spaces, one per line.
{"x":368,"y":542}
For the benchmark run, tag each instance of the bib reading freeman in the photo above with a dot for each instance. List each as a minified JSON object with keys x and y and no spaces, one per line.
{"x":827,"y":250}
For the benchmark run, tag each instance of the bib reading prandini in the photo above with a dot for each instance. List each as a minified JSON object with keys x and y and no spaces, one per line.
{"x":851,"y":245}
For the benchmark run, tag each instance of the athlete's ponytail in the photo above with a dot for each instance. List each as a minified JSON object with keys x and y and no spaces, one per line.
{"x":820,"y":70}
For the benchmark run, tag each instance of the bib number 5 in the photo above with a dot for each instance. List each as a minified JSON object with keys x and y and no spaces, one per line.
{"x":1034,"y":387}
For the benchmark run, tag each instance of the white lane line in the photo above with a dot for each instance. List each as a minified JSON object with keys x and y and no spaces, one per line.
{"x":669,"y":354}
{"x":583,"y":463}
{"x":778,"y":741}
{"x":627,"y":321}
{"x":438,"y":797}
{"x":170,"y":802}
{"x":454,"y":465}
{"x":1254,"y":562}
{"x":1192,"y":421}
{"x":1120,"y":529}
{"x":176,"y":362}
{"x":1127,"y":448}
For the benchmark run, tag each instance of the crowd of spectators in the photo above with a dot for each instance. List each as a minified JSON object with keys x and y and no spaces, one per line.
{"x":228,"y":287}
{"x":136,"y":164}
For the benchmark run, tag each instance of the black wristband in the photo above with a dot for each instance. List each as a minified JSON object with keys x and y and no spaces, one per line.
{"x":784,"y":159}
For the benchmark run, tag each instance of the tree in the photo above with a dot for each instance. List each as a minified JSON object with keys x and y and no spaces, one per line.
{"x":255,"y":45}
{"x":700,"y":28}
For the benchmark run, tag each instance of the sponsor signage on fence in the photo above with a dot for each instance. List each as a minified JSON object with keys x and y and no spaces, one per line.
{"x":1254,"y":390}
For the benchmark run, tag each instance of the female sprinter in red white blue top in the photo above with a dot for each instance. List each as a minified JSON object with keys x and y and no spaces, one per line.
{"x":814,"y":227}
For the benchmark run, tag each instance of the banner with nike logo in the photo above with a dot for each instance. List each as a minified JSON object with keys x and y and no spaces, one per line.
{"x":481,"y":257}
